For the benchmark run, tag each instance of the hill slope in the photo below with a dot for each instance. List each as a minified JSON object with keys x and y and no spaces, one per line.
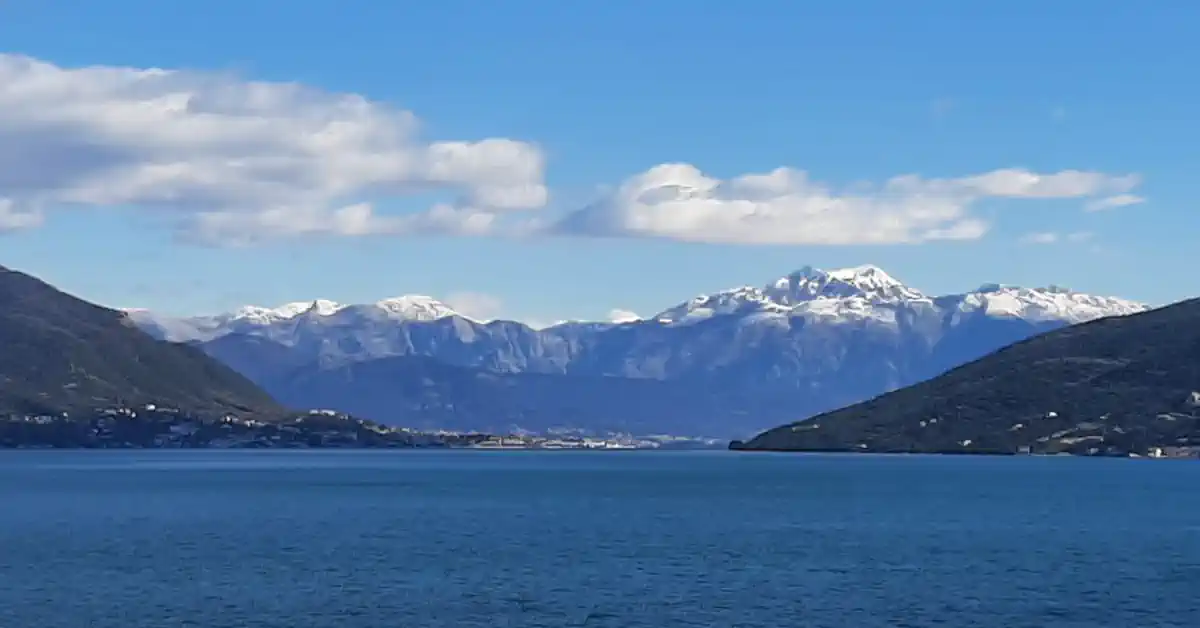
{"x":1114,"y":385}
{"x":61,"y":354}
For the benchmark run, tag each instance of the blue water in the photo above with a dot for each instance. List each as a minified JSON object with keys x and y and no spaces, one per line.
{"x":620,"y":539}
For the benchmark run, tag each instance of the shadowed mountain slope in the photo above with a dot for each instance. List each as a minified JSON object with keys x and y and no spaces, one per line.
{"x":62,"y":354}
{"x":1114,"y":385}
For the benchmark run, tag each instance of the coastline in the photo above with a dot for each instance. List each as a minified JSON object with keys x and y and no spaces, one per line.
{"x":1162,"y":453}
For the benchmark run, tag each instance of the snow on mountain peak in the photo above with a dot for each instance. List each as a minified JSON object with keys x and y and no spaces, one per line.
{"x":1052,"y":303}
{"x":845,"y":295}
{"x":416,"y":307}
{"x":866,"y":282}
{"x":409,"y":307}
{"x":868,"y":292}
{"x":319,"y":307}
{"x":287,"y":311}
{"x":841,"y":293}
{"x":866,"y":274}
{"x":737,"y":300}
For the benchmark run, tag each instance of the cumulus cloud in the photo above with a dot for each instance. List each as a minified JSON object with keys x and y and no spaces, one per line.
{"x":231,"y":161}
{"x":784,"y":206}
{"x":623,"y":316}
{"x":237,"y":159}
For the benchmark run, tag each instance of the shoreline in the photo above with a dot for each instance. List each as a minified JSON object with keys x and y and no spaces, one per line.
{"x":1186,"y":455}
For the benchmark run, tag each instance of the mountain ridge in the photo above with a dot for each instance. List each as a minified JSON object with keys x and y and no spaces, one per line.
{"x":808,"y":342}
{"x":839,"y":292}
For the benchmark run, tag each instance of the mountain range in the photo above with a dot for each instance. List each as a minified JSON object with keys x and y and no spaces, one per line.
{"x":727,"y":364}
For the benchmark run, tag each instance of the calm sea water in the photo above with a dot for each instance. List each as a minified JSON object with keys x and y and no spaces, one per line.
{"x":621,"y":539}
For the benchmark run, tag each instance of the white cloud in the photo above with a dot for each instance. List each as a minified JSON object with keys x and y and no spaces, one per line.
{"x":1041,"y":237}
{"x":241,"y":160}
{"x":1079,"y":236}
{"x":1050,"y":237}
{"x":623,"y":316}
{"x":235,"y":162}
{"x":678,"y":201}
{"x":247,"y":228}
{"x":476,"y":305}
{"x":13,"y":219}
{"x":1018,"y":183}
{"x":1112,"y":202}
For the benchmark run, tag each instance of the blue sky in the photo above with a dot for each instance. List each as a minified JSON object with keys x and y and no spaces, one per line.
{"x":619,"y":136}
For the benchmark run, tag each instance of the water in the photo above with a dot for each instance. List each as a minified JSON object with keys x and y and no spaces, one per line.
{"x":606,"y":539}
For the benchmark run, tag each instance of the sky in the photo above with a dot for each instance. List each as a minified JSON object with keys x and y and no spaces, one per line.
{"x":541,"y":160}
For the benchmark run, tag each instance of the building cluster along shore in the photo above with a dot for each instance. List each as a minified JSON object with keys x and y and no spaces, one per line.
{"x":153,"y":426}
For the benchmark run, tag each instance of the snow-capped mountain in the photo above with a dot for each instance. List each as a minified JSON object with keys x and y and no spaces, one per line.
{"x":1052,"y":304}
{"x":265,"y":316}
{"x":253,"y":319}
{"x":807,"y":342}
{"x":868,"y":283}
{"x":852,"y":294}
{"x":846,"y":294}
{"x":838,"y":296}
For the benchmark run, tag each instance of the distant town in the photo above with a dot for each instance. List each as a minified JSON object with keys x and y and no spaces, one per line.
{"x":160,"y":427}
{"x":152,"y":426}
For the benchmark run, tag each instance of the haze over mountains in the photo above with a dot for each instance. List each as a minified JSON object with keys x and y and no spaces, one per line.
{"x":727,"y":364}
